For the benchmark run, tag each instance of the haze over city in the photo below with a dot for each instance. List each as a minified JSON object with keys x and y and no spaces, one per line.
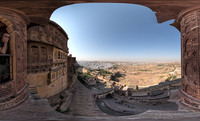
{"x":118,"y":32}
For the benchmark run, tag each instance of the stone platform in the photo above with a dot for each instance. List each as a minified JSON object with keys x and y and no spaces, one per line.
{"x":35,"y":109}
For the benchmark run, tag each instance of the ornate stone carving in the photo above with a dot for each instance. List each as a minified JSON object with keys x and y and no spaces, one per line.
{"x":16,"y":23}
{"x":6,"y":90}
{"x":47,"y":53}
{"x":189,"y":100}
{"x":15,"y":101}
{"x":190,"y":43}
{"x":50,"y":34}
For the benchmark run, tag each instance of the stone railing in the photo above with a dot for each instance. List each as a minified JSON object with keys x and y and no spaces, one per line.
{"x":6,"y":90}
{"x":7,"y":64}
{"x":104,"y":94}
{"x":6,"y":78}
{"x":38,"y":67}
{"x":143,"y":100}
{"x":15,"y":100}
{"x":189,"y":100}
{"x":163,"y":85}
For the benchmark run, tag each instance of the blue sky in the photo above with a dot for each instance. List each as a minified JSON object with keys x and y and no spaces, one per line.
{"x":118,"y":32}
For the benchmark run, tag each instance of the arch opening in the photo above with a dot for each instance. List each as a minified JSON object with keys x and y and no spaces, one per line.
{"x":6,"y":60}
{"x":124,"y":43}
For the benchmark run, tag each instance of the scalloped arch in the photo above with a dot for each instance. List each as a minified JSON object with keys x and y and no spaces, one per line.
{"x":7,"y":23}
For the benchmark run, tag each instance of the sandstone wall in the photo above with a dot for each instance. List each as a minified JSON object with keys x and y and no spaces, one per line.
{"x":47,"y":59}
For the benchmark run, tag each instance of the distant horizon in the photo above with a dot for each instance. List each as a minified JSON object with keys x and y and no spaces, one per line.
{"x":130,"y":61}
{"x":167,"y":60}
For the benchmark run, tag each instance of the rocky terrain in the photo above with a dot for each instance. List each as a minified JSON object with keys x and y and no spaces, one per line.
{"x":147,"y":74}
{"x":133,"y":74}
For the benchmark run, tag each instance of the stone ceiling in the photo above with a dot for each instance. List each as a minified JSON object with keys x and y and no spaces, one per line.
{"x":40,"y":11}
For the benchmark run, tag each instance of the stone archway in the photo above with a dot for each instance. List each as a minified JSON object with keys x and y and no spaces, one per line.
{"x":8,"y":24}
{"x":187,"y":22}
{"x":40,"y":11}
{"x":10,"y":30}
{"x":15,"y":91}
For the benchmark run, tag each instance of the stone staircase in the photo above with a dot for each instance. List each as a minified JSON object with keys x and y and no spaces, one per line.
{"x":84,"y":103}
{"x":33,"y":90}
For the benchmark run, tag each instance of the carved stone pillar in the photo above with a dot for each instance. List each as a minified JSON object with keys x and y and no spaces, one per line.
{"x":15,"y":90}
{"x":188,"y":22}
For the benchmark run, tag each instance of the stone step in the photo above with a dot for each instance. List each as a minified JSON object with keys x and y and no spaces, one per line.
{"x":84,"y":103}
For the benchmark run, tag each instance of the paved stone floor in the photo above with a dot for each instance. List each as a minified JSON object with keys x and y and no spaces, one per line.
{"x":83,"y":103}
{"x":39,"y":109}
{"x":36,"y":109}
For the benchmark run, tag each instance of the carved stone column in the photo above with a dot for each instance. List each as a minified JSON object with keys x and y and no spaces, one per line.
{"x":188,"y":22}
{"x":15,"y":90}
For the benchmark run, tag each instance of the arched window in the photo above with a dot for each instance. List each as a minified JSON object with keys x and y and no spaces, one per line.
{"x":53,"y":76}
{"x":56,"y":55}
{"x":59,"y":55}
{"x":5,"y":56}
{"x":34,"y":54}
{"x":43,"y":56}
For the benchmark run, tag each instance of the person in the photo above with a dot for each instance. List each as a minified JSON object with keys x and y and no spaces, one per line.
{"x":4,"y":43}
{"x":4,"y":60}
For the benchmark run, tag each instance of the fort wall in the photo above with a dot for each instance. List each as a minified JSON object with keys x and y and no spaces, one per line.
{"x":48,"y":59}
